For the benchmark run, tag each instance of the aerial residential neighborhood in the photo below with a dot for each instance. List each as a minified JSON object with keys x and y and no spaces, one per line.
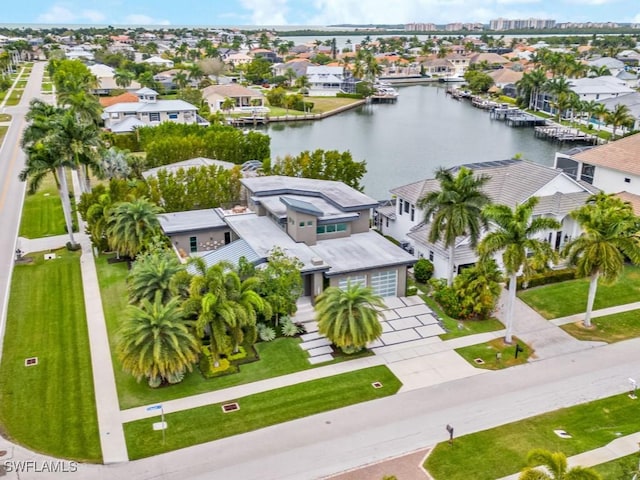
{"x":381,"y":251}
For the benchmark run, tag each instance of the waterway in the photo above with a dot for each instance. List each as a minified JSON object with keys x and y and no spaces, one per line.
{"x":407,"y":141}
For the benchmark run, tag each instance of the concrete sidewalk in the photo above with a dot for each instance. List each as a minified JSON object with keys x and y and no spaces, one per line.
{"x":603,"y":312}
{"x":620,"y":447}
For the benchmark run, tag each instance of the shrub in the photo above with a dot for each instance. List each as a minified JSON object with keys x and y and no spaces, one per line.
{"x":74,"y":247}
{"x":240,"y":354}
{"x":448,"y":299}
{"x":412,"y":290}
{"x":266,"y":333}
{"x":288,"y":328}
{"x":423,"y":270}
{"x":546,"y":278}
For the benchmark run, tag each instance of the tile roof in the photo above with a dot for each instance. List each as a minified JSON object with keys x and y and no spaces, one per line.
{"x":127,"y":97}
{"x":622,"y":155}
{"x":231,"y":90}
{"x":632,"y":199}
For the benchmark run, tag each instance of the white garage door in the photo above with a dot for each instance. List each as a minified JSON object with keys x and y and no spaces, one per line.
{"x":385,"y":283}
{"x":356,"y":279}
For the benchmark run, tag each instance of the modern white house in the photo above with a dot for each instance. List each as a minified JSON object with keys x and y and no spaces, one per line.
{"x":149,"y":111}
{"x":511,"y":183}
{"x":245,"y":99}
{"x":613,"y":167}
{"x":325,"y":224}
{"x":159,"y":62}
{"x":325,"y":81}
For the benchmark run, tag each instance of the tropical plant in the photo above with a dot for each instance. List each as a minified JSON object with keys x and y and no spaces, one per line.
{"x":478,"y":289}
{"x":609,"y":235}
{"x":152,"y":274}
{"x":132,"y":225}
{"x":123,"y":78}
{"x":620,"y":116}
{"x":349,"y":317}
{"x":113,"y":163}
{"x":555,"y":468}
{"x":514,"y":234}
{"x":455,"y":210}
{"x":155,"y":342}
{"x":423,"y":270}
{"x":600,"y":112}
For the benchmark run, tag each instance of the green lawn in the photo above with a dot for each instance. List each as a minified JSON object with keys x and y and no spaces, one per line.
{"x":47,"y":87}
{"x":610,"y":329}
{"x":49,"y":407}
{"x":14,"y":98}
{"x":208,"y":423}
{"x":3,"y":132}
{"x":320,"y":105}
{"x":21,"y":84}
{"x":5,"y":117}
{"x":487,"y":352}
{"x":570,"y":297}
{"x":502,"y":451}
{"x":42,"y":212}
{"x":280,"y":357}
{"x":621,"y":468}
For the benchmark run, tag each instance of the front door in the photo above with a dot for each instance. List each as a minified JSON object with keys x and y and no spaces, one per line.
{"x":558,"y":240}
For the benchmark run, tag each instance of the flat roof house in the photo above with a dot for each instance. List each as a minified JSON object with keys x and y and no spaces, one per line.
{"x":325,"y":224}
{"x":511,"y":183}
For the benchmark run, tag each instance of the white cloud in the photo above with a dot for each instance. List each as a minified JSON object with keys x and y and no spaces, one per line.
{"x":591,"y":2}
{"x":514,"y":2}
{"x":141,"y":19}
{"x":61,"y":13}
{"x":266,"y":12}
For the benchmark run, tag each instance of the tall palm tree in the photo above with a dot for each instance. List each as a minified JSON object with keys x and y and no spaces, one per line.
{"x":556,"y":468}
{"x":562,"y":103}
{"x":589,"y":107}
{"x":531,"y":84}
{"x":132,"y":225}
{"x":455,"y":210}
{"x":514,"y":234}
{"x":350,"y":318}
{"x":155,"y":342}
{"x":151,"y":274}
{"x":620,"y":116}
{"x":608,"y":236}
{"x":246,"y":303}
{"x":600,"y":112}
{"x":123,"y":78}
{"x":600,"y":71}
{"x":85,"y":106}
{"x":180,"y":79}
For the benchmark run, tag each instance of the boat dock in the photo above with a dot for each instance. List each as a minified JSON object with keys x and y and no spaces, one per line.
{"x":559,"y":133}
{"x":514,"y":117}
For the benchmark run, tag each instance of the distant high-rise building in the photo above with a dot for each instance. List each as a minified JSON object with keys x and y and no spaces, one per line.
{"x":420,"y":27}
{"x":521,"y":24}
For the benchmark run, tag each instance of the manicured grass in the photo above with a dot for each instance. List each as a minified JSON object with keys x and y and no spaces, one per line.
{"x":570,"y":297}
{"x":610,"y":329}
{"x":280,"y":357}
{"x":49,"y":407}
{"x":325,"y":104}
{"x":621,"y":468}
{"x":458,"y":328}
{"x":47,"y":87}
{"x":208,"y":423}
{"x":5,"y":117}
{"x":14,"y":98}
{"x":502,"y":451}
{"x":487,"y":352}
{"x":21,"y":84}
{"x":3,"y":132}
{"x":282,"y":112}
{"x":42,"y":212}
{"x":3,"y":94}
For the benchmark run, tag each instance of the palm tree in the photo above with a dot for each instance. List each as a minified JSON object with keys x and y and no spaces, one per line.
{"x":620,"y":116}
{"x":195,"y":72}
{"x":562,"y":103}
{"x":131,"y":225}
{"x":608,"y":236}
{"x":123,"y":78}
{"x":555,"y":468}
{"x":246,"y":304}
{"x":600,"y":71}
{"x":531,"y":84}
{"x":180,"y":79}
{"x":227,"y":105}
{"x":455,"y":210}
{"x":152,"y":274}
{"x":600,"y":112}
{"x":290,"y":73}
{"x":350,"y":317}
{"x":155,"y":342}
{"x":589,"y":107}
{"x":514,"y":235}
{"x":85,"y":106}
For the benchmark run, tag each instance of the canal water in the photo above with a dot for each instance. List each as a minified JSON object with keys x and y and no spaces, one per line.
{"x":407,"y":141}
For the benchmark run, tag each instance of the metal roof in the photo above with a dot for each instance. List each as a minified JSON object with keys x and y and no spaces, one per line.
{"x":190,"y":221}
{"x":231,"y":253}
{"x":301,"y":206}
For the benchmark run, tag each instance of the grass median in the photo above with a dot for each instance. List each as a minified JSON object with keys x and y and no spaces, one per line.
{"x":49,"y":407}
{"x":42,"y":212}
{"x":502,"y":451}
{"x":610,"y":328}
{"x":208,"y":423}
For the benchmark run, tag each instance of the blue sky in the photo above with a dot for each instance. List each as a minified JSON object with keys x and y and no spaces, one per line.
{"x":311,"y":12}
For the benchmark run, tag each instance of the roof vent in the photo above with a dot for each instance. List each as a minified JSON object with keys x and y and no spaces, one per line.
{"x":316,"y":261}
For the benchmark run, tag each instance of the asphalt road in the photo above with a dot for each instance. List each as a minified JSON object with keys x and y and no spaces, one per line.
{"x":11,"y":189}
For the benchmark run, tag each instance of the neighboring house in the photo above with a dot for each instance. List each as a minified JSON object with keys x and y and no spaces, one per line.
{"x":439,"y":67}
{"x":631,"y":100}
{"x":246,"y":99}
{"x":599,"y":88}
{"x":492,"y":59}
{"x":297,"y":65}
{"x":511,"y":183}
{"x":629,"y":57}
{"x":630,"y":79}
{"x":149,"y":111}
{"x":614,"y":66}
{"x":613,"y":167}
{"x":186,"y":164}
{"x":325,"y":224}
{"x":328,"y":81}
{"x":158,"y":62}
{"x":460,"y":63}
{"x":240,"y":58}
{"x":79,"y":53}
{"x":268,"y":55}
{"x":505,"y":76}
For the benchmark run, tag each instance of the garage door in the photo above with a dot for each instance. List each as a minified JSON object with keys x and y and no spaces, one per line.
{"x":356,"y":279}
{"x":385,"y":283}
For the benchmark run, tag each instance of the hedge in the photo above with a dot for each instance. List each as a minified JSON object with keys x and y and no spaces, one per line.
{"x":545,"y":278}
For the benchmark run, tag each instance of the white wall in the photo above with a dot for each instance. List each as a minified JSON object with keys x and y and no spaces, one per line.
{"x":560,"y":184}
{"x":612,"y":181}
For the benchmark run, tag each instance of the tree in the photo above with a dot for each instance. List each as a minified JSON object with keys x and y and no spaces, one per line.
{"x":151,"y":275}
{"x":227,"y":105}
{"x":155,"y":342}
{"x":113,"y":163}
{"x":600,"y":112}
{"x":608,"y":236}
{"x":350,"y":317}
{"x":555,"y":468}
{"x":455,"y":210}
{"x":132,"y":225}
{"x":562,"y":103}
{"x":180,"y":79}
{"x":478,"y":81}
{"x":123,"y":78}
{"x":478,"y":289}
{"x":515,"y":235}
{"x":530,"y":86}
{"x":212,"y":66}
{"x":620,"y":116}
{"x":599,"y":71}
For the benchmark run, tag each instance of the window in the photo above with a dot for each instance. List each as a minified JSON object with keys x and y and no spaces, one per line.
{"x":341,"y":227}
{"x":587,"y":174}
{"x":627,"y":180}
{"x":193,"y":244}
{"x":227,"y":237}
{"x":353,"y":280}
{"x":320,"y":229}
{"x":310,"y":223}
{"x":331,"y":228}
{"x":399,"y":206}
{"x":406,"y":207}
{"x":386,"y":221}
{"x":173,"y":115}
{"x":431,"y":255}
{"x":301,"y":224}
{"x":154,"y":116}
{"x":385,"y":283}
{"x":413,"y":213}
